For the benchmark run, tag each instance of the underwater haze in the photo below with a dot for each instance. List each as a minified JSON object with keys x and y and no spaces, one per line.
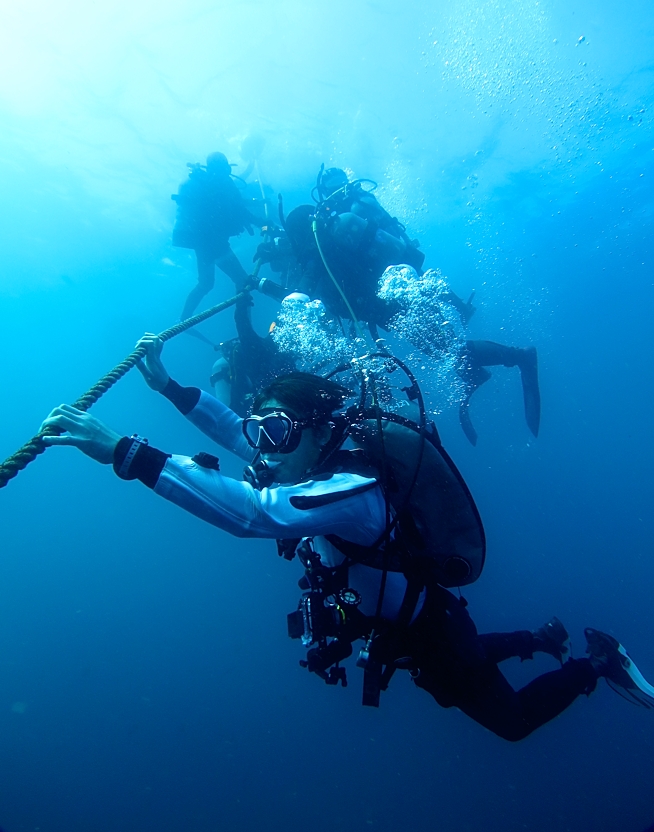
{"x":146,"y":678}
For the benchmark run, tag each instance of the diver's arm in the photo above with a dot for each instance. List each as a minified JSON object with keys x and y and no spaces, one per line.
{"x":333,"y":506}
{"x":368,"y":207}
{"x":211,"y":416}
{"x":286,"y":511}
{"x":70,"y":426}
{"x":465,"y":308}
{"x":249,"y":338}
{"x":336,"y":505}
{"x":208,"y":414}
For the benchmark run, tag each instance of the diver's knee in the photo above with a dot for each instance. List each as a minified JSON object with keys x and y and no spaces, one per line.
{"x":220,"y":371}
{"x":514,"y":734}
{"x":206,"y":282}
{"x":221,"y":381}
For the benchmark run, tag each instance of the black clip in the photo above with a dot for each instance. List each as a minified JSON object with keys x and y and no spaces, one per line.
{"x":207,"y":461}
{"x":412,"y":392}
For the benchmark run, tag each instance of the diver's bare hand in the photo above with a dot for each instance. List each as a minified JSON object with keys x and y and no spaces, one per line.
{"x":152,"y":369}
{"x":83,"y":431}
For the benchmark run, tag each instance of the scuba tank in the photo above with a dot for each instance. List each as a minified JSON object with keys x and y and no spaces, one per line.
{"x":436,"y":531}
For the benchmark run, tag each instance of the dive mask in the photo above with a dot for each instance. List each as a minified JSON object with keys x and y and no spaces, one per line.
{"x":274,"y":432}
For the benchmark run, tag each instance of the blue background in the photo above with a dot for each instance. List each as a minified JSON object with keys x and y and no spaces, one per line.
{"x":146,"y":680}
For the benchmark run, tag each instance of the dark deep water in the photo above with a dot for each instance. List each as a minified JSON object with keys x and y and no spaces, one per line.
{"x":146,"y":680}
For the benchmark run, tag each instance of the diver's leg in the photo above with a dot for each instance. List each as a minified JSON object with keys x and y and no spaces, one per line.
{"x":552,"y":638}
{"x":205,"y":283}
{"x":473,"y":375}
{"x":479,"y":689}
{"x":491,"y":354}
{"x":492,"y":702}
{"x":229,"y":263}
{"x":498,"y":647}
{"x":454,"y":665}
{"x":372,"y":329}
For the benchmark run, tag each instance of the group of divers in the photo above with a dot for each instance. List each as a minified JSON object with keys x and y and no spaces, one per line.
{"x":344,"y":467}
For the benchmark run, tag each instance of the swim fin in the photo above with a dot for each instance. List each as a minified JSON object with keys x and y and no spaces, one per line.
{"x":528,"y":365}
{"x":612,"y":661}
{"x":466,"y":422}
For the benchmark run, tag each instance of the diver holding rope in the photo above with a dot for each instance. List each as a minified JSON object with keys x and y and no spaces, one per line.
{"x":339,"y":514}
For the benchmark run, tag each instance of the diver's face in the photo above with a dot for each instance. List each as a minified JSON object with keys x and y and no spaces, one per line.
{"x":334,"y":184}
{"x":218,"y":169}
{"x":291,"y":467}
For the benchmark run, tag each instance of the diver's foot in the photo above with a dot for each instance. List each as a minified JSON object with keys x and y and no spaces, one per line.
{"x":466,"y":313}
{"x":611,"y":660}
{"x":467,"y":310}
{"x":552,"y":638}
{"x":466,"y":423}
{"x":528,"y":364}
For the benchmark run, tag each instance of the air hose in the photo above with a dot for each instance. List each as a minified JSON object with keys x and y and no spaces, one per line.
{"x":30,"y":450}
{"x":357,"y":325}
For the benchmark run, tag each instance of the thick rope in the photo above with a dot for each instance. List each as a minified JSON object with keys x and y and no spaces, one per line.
{"x":30,"y":450}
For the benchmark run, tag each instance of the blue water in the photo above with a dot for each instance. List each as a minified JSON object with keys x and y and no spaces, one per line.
{"x":146,"y":680}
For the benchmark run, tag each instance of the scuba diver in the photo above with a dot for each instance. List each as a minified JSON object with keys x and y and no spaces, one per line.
{"x":247,"y":362}
{"x":210,"y":210}
{"x":333,"y":510}
{"x":343,"y":244}
{"x":346,"y":284}
{"x":357,"y":216}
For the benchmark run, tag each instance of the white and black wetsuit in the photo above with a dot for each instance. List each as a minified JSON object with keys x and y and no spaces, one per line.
{"x":455,"y":664}
{"x":344,"y":504}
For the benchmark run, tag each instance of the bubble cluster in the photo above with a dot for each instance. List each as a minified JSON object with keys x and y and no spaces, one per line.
{"x":429,"y":322}
{"x":426,"y":321}
{"x":315,"y":342}
{"x":427,"y":318}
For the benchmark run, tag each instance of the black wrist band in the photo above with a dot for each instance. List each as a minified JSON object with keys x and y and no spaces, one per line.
{"x":146,"y":463}
{"x":125,"y":465}
{"x":184,"y":398}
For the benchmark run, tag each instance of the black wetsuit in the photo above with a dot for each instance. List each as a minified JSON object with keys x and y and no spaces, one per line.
{"x":356,"y":270}
{"x":479,"y":355}
{"x":210,"y":210}
{"x":459,"y":668}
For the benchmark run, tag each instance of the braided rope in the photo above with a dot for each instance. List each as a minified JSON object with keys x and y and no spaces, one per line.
{"x":30,"y":450}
